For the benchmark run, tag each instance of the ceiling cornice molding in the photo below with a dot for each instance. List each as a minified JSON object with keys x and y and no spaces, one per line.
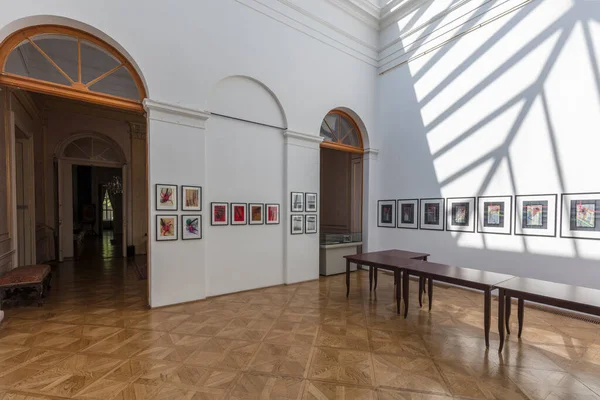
{"x":395,"y":10}
{"x":362,"y":10}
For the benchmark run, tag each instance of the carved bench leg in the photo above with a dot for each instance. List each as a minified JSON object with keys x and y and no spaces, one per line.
{"x":2,"y":296}
{"x":40,"y":289}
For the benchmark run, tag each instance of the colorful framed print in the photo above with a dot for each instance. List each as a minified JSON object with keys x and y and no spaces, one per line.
{"x":257,"y":213}
{"x":297,"y":202}
{"x":535,"y":215}
{"x":166,"y":197}
{"x":432,"y":214}
{"x":191,"y":227}
{"x":580,"y":215}
{"x":191,"y":198}
{"x":460,"y":214}
{"x":310,"y":225}
{"x":297,"y":224}
{"x":408,"y":214}
{"x":166,"y":227}
{"x":386,"y":213}
{"x":239,"y":214}
{"x":494,"y":214}
{"x":311,"y":202}
{"x":219,"y":214}
{"x":272,"y":214}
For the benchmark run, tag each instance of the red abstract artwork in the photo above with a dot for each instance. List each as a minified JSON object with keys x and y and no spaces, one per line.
{"x":220,"y":213}
{"x":239,"y":213}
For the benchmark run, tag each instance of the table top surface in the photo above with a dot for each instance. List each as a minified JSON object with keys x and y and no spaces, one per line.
{"x":459,"y":273}
{"x":380,"y":259}
{"x":398,"y":253}
{"x":560,"y":291}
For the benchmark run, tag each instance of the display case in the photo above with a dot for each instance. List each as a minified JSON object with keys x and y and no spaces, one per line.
{"x":340,"y":238}
{"x":333,"y":248}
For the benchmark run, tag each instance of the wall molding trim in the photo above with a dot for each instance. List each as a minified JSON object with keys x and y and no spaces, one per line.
{"x":371,"y":153}
{"x":175,"y":114}
{"x":301,"y":139}
{"x":362,"y":10}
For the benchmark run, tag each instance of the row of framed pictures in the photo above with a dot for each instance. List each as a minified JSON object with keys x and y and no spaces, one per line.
{"x":166,"y":198}
{"x":243,"y":214}
{"x":303,"y":202}
{"x":303,"y":224}
{"x":534,"y":215}
{"x":166,"y":227}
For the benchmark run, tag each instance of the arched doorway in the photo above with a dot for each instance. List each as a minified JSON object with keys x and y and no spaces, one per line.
{"x":341,"y":190}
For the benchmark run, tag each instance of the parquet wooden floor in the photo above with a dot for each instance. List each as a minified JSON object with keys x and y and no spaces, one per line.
{"x":95,"y":339}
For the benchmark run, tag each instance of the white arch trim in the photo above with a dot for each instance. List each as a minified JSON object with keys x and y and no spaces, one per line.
{"x":62,"y":146}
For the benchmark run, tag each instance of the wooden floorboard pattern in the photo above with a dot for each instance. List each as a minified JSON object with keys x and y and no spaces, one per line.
{"x":96,"y":339}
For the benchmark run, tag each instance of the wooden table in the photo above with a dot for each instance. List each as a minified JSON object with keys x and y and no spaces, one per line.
{"x":466,"y":277}
{"x":379,"y":260}
{"x":574,"y":298}
{"x":403,"y":254}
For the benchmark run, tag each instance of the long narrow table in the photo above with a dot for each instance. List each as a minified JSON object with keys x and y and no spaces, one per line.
{"x":403,"y":254}
{"x":466,"y":277}
{"x":384,"y":260}
{"x":574,"y":298}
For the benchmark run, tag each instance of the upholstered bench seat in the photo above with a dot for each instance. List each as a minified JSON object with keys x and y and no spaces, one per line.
{"x":36,"y":277}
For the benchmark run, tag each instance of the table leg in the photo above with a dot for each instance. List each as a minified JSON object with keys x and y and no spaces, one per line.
{"x":421,"y":290}
{"x":424,"y":290}
{"x":521,"y":315}
{"x":370,"y":278}
{"x":375,"y":278}
{"x":397,"y":279}
{"x":487,"y":316}
{"x":508,"y":309}
{"x":347,"y":277}
{"x":430,"y":292}
{"x":501,"y":318}
{"x":405,"y":292}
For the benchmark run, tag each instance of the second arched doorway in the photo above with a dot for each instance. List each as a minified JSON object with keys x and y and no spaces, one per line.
{"x":341,"y":190}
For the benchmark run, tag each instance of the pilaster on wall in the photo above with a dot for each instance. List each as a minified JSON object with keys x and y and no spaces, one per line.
{"x":176,"y":155}
{"x":369,"y":203}
{"x":302,"y":174}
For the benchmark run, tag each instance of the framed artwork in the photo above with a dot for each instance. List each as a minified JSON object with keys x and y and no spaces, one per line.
{"x":297,"y":202}
{"x":494,"y":214}
{"x":272,"y":214}
{"x":166,"y":197}
{"x":191,"y":198}
{"x":386,"y":213}
{"x":580,"y":215}
{"x":432,"y":214}
{"x":219,"y":214}
{"x":535,"y":215}
{"x":166,"y":227}
{"x":310,"y":224}
{"x":311,"y":202}
{"x":297,"y":223}
{"x":239,"y":214}
{"x":191,"y":227}
{"x":257,"y":213}
{"x":408,"y":214}
{"x":460,"y":214}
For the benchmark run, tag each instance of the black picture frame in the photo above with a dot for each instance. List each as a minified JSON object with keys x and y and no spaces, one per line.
{"x":157,"y":196}
{"x":442,"y":216}
{"x":301,"y":194}
{"x":175,"y":218}
{"x":301,"y":218}
{"x":183,"y":216}
{"x":306,"y":202}
{"x":507,"y":220}
{"x":231,"y":216}
{"x":306,"y":217}
{"x":278,"y":214}
{"x":516,"y":216}
{"x":262,"y":221}
{"x":417,"y":214}
{"x":471,"y":202}
{"x":212,"y":219}
{"x":562,"y":210}
{"x":183,"y":187}
{"x":379,"y":221}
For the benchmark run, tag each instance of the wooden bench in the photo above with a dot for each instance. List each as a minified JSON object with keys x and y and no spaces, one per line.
{"x":36,"y":277}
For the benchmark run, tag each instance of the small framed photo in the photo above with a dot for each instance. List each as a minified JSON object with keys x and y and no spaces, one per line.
{"x":191,"y":198}
{"x":535,"y":215}
{"x":257,"y":213}
{"x":166,"y":227}
{"x":297,"y":222}
{"x":580,"y":216}
{"x":239,"y":214}
{"x":408,"y":213}
{"x":191,"y":227}
{"x":166,"y":197}
{"x":219,"y":214}
{"x":310,"y":225}
{"x":494,"y":214}
{"x":432,"y":214}
{"x":311,"y":202}
{"x":460,"y":214}
{"x":297,"y":201}
{"x":272,"y":214}
{"x":386,"y":213}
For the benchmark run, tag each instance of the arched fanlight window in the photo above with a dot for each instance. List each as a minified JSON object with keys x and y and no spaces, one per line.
{"x":70,"y":63}
{"x":340,"y":132}
{"x":91,"y":148}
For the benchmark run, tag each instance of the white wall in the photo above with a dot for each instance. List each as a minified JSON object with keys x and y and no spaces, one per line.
{"x":511,"y":108}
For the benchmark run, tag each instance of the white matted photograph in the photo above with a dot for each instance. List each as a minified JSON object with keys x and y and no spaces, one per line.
{"x":432,"y":214}
{"x":166,"y":197}
{"x":386,"y":213}
{"x":297,"y":202}
{"x":535,"y":215}
{"x":408,"y":214}
{"x":460,"y":214}
{"x":311,"y":202}
{"x":310,"y":225}
{"x":297,"y":224}
{"x":580,"y":215}
{"x":494,"y":214}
